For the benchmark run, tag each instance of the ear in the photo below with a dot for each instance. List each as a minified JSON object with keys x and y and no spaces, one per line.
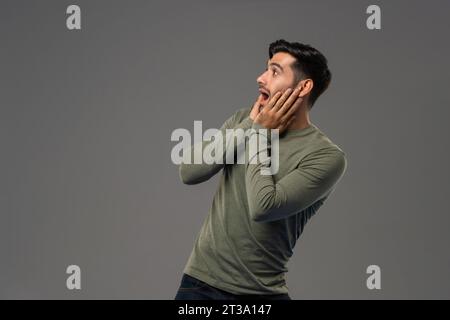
{"x":305,"y":87}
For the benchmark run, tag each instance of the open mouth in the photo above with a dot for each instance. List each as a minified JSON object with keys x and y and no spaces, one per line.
{"x":264,"y":94}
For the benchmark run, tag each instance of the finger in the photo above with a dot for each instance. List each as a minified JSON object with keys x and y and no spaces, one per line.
{"x":287,"y":105}
{"x":273,"y":100}
{"x":259,"y":100}
{"x":292,"y":110}
{"x":282,"y":99}
{"x":259,"y":103}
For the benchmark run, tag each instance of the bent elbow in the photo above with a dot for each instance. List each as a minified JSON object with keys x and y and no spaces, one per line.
{"x":261,"y":207}
{"x":187,"y":176}
{"x":259,"y":214}
{"x":258,"y":218}
{"x":184,"y":175}
{"x":263,"y":216}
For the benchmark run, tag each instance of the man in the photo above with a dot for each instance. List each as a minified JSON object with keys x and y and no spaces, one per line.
{"x":250,"y":232}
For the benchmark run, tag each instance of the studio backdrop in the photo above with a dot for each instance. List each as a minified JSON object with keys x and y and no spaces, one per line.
{"x":91,"y":92}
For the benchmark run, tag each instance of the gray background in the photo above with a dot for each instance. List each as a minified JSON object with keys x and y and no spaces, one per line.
{"x":86,"y":117}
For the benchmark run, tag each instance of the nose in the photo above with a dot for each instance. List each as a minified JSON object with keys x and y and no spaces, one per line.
{"x":261,"y":80}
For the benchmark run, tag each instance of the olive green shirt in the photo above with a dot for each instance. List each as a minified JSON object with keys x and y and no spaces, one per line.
{"x":255,"y":220}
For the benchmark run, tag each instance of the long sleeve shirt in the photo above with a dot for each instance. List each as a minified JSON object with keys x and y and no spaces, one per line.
{"x":254,"y":220}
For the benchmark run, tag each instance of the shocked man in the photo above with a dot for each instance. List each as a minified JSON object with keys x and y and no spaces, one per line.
{"x":249,"y":234}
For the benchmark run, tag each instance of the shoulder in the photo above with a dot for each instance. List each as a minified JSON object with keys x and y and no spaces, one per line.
{"x":237,"y":117}
{"x":321,"y":143}
{"x":324,"y":152}
{"x":241,"y":114}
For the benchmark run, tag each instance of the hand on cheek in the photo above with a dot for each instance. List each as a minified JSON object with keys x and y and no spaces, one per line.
{"x":280,"y":111}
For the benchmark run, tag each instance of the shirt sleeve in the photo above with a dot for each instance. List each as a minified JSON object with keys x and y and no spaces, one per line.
{"x":312,"y":180}
{"x":194,"y":173}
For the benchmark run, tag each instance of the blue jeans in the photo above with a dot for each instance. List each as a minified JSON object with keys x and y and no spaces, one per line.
{"x":193,"y":289}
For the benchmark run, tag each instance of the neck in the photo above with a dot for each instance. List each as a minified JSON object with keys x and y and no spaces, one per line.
{"x":301,"y":119}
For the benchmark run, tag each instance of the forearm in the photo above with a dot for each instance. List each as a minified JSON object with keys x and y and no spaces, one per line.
{"x":309,"y":182}
{"x":192,"y":173}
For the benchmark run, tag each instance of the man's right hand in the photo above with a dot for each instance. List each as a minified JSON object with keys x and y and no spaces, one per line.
{"x":280,"y":111}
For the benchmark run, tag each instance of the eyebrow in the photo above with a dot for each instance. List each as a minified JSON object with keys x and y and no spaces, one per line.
{"x":276,"y":65}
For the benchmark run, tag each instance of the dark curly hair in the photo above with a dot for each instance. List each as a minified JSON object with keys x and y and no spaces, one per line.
{"x":309,"y":64}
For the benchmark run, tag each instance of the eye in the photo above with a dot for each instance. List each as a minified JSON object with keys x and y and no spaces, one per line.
{"x":274,"y":72}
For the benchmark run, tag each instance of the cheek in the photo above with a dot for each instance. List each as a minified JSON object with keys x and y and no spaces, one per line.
{"x":275,"y":88}
{"x":279,"y":85}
